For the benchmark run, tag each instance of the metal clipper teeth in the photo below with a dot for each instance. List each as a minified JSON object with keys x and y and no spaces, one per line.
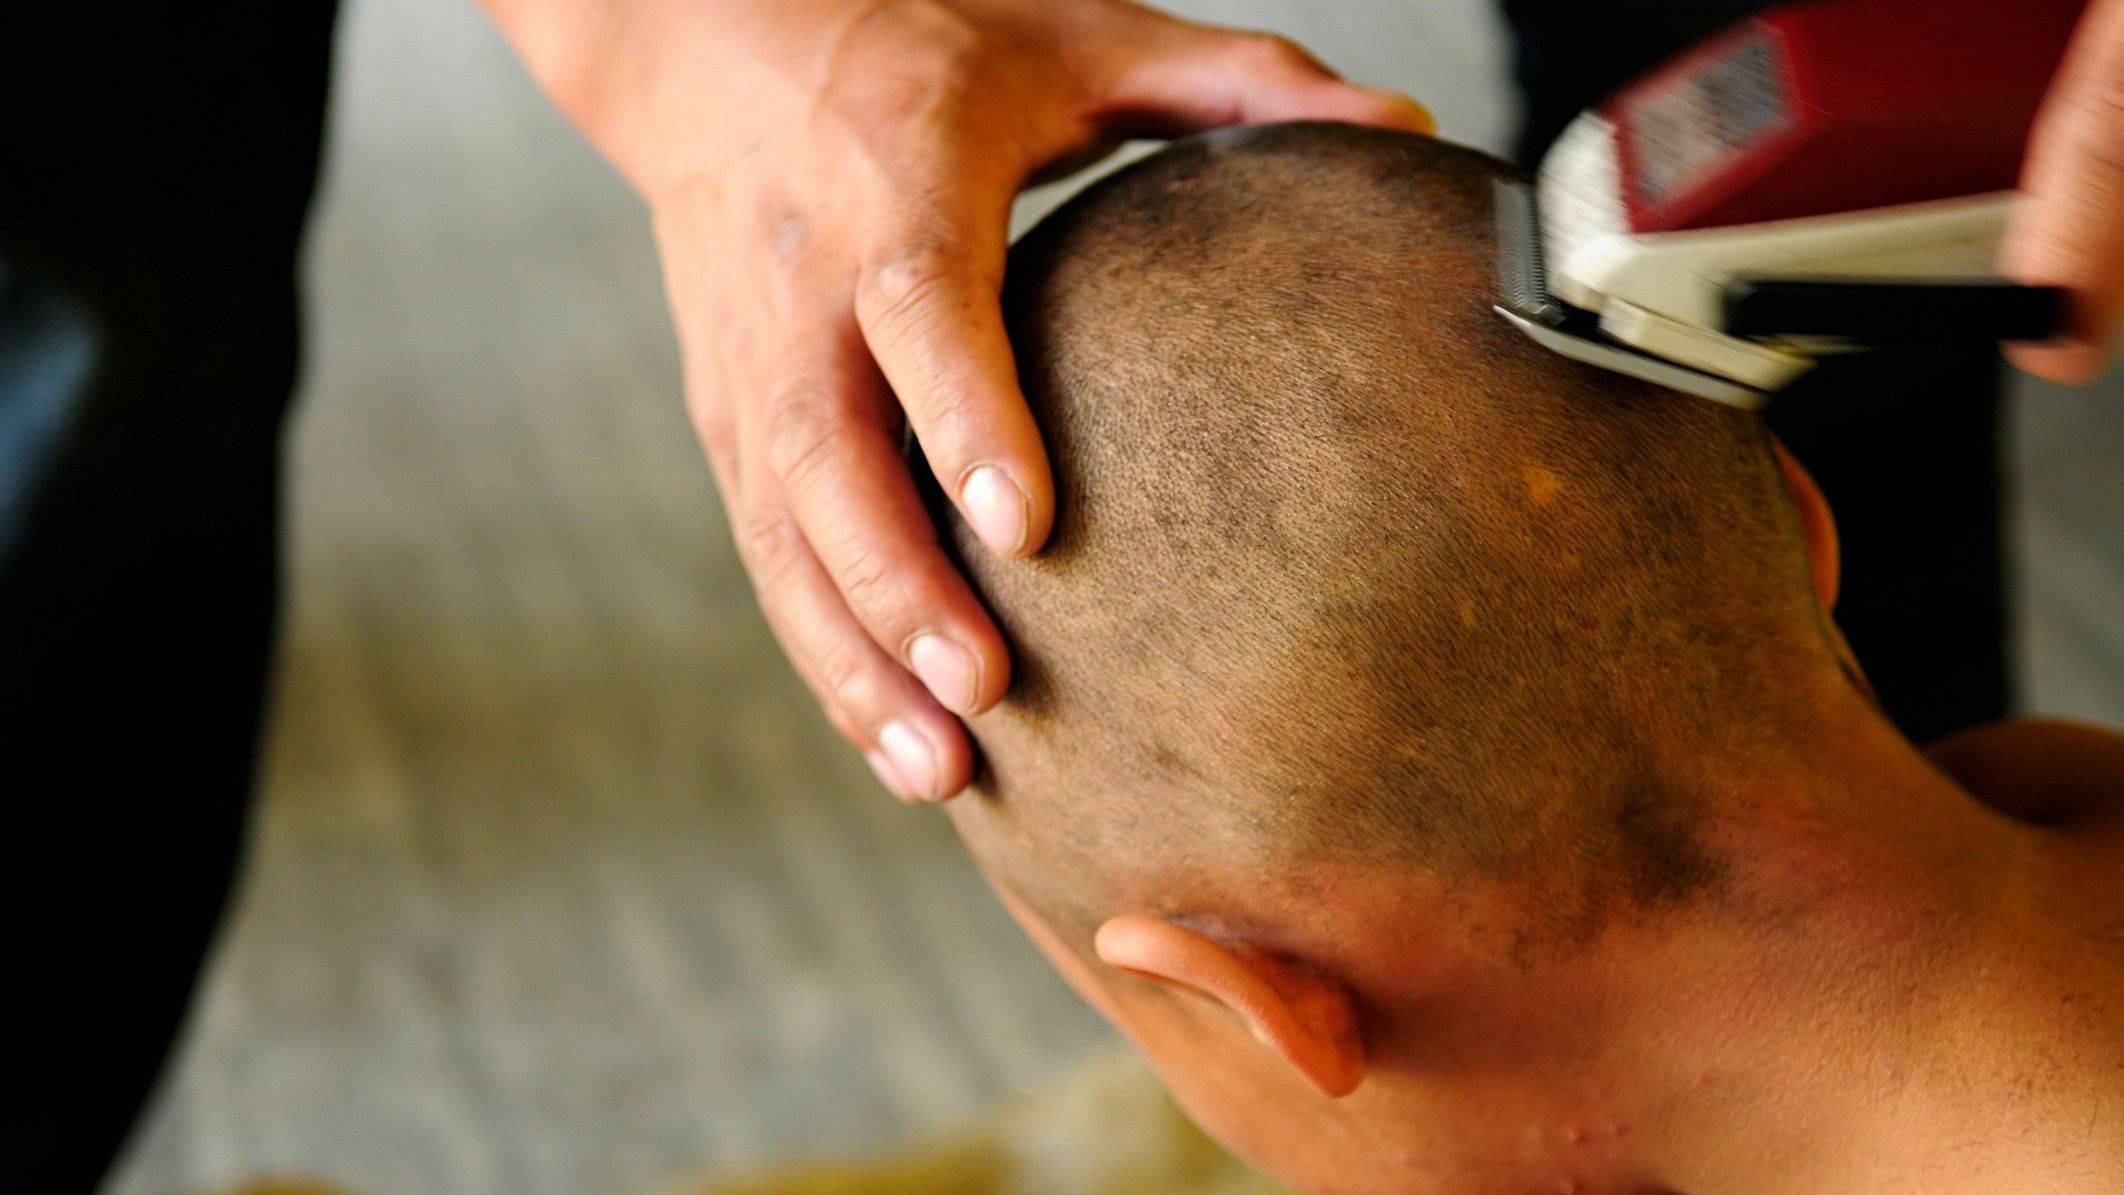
{"x":1522,"y":280}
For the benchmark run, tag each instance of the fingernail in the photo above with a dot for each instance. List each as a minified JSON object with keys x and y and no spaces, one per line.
{"x":946,"y":669}
{"x":881,"y":767}
{"x":912,"y":760}
{"x":1408,"y":111}
{"x":997,"y":509}
{"x":2067,"y":362}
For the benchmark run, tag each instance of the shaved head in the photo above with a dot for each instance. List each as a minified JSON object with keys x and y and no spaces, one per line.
{"x":1344,"y":567}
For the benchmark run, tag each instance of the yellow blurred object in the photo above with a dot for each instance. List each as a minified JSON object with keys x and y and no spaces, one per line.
{"x":285,"y":1186}
{"x":1107,"y":1129}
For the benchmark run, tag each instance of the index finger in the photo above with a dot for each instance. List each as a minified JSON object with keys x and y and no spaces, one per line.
{"x":929,"y":305}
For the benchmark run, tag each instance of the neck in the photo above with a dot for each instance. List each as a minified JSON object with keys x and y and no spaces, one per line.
{"x":1909,"y":991}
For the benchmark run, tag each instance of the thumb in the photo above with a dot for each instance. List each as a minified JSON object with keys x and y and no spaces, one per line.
{"x":1177,"y":77}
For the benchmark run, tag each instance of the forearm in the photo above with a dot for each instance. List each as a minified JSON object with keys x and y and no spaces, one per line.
{"x":603,"y":62}
{"x":559,"y":41}
{"x":642,"y":78}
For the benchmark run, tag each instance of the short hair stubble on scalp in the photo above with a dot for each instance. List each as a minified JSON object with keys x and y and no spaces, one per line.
{"x":1343,"y":566}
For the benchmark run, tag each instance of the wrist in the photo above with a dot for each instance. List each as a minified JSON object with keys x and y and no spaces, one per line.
{"x":567,"y":46}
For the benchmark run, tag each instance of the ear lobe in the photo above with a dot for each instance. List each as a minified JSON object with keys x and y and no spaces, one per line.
{"x":1296,"y":1013}
{"x":1817,"y":525}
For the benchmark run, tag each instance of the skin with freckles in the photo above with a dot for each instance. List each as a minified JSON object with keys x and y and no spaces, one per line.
{"x":1442,"y":762}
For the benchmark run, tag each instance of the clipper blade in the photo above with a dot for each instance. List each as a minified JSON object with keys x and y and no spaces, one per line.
{"x":1523,"y":298}
{"x":1522,"y":280}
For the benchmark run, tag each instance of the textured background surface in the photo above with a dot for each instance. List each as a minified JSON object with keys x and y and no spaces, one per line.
{"x":560,"y":883}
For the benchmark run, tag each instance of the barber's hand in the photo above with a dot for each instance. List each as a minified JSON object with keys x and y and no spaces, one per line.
{"x":2071,"y":231}
{"x":831,"y":182}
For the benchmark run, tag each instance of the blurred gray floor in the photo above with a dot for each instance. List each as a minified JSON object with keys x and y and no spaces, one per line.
{"x":560,"y":883}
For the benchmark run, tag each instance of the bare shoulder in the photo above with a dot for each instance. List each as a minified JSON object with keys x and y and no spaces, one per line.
{"x":2044,"y":770}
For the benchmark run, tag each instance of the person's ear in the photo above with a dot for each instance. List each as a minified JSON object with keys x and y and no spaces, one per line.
{"x":1817,"y":525}
{"x":1301,"y":1016}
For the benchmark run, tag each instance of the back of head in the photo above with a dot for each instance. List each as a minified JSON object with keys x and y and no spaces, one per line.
{"x":1343,"y":565}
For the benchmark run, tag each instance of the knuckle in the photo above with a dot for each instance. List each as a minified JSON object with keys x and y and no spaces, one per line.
{"x":909,"y":281}
{"x":785,"y":228}
{"x":771,"y":545}
{"x":848,"y":678}
{"x":844,"y":725}
{"x":711,"y":424}
{"x":1273,"y":51}
{"x":803,"y":434}
{"x":720,"y":447}
{"x":869,"y":582}
{"x":731,"y":335}
{"x":717,"y":441}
